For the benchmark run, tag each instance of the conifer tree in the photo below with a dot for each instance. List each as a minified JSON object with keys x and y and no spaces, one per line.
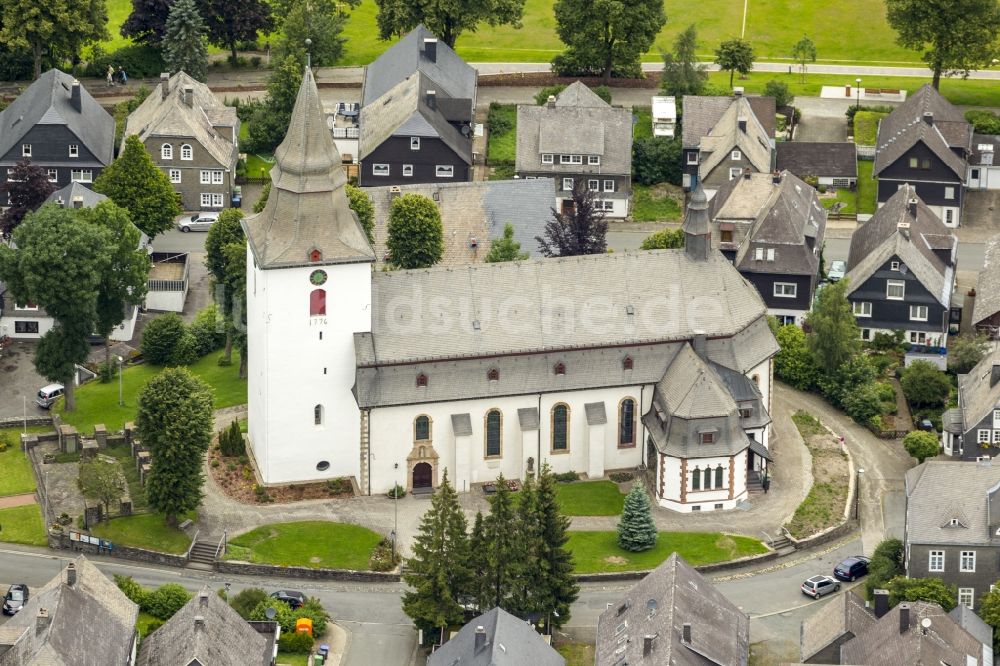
{"x":636,"y":529}
{"x":504,"y":554}
{"x":559,"y":589}
{"x":184,"y":44}
{"x":527,"y":590}
{"x":477,"y":561}
{"x":438,"y":573}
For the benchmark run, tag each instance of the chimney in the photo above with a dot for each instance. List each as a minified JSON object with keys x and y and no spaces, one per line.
{"x":776,"y":177}
{"x":480,"y":639}
{"x":551,"y":102}
{"x":432,"y":99}
{"x":929,"y":117}
{"x":698,"y":344}
{"x":74,"y":97}
{"x":911,"y":207}
{"x":203,"y":599}
{"x":395,"y":192}
{"x":199,"y":622}
{"x":77,"y":203}
{"x":164,"y":85}
{"x":738,"y":91}
{"x":904,"y":229}
{"x":42,"y":620}
{"x":647,"y":643}
{"x":742,"y":122}
{"x":71,"y":567}
{"x":904,"y":618}
{"x":994,"y":374}
{"x":686,"y":633}
{"x":189,"y":95}
{"x":881,"y":602}
{"x":431,"y":48}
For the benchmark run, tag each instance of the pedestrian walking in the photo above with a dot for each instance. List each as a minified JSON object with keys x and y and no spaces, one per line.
{"x":123,"y":76}
{"x":110,"y":76}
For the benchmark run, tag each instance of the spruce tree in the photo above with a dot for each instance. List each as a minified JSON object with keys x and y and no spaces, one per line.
{"x":438,"y":573}
{"x":636,"y":529}
{"x":477,"y":562}
{"x":503,"y":548}
{"x":527,"y":590}
{"x":560,"y":588}
{"x":184,"y":44}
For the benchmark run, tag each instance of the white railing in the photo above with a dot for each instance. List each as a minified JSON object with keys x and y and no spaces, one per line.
{"x":345,"y":133}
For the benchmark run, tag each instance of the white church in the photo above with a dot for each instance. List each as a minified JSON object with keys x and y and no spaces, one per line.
{"x":596,"y":363}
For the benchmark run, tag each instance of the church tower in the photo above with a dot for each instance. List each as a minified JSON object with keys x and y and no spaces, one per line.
{"x":308,"y":287}
{"x":697,"y":227}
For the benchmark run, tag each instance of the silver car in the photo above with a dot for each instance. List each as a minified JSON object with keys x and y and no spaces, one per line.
{"x":198,"y":222}
{"x":817,"y":586}
{"x":838,"y":269}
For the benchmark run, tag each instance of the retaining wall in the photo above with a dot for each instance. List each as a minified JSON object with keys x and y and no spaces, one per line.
{"x":249,"y":569}
{"x":61,"y":541}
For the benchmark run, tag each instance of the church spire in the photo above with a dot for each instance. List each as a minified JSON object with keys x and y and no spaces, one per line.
{"x":697,"y":228}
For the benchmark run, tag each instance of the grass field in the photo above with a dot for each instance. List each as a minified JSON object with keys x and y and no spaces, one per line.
{"x":23,"y":524}
{"x":867,"y":187}
{"x":315,"y":543}
{"x":866,"y":127}
{"x":289,"y":659}
{"x":652,"y":205}
{"x":643,"y":125}
{"x":17,"y":477}
{"x":143,"y":622}
{"x":502,"y":146}
{"x":576,"y":654}
{"x":145,"y":530}
{"x":599,"y":551}
{"x":590,"y":498}
{"x":846,"y":196}
{"x":98,"y":403}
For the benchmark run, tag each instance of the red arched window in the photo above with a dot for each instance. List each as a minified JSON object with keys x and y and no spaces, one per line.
{"x":421,"y":380}
{"x":317,"y":302}
{"x":315,"y":255}
{"x":627,"y":363}
{"x":560,"y":368}
{"x":493,"y":375}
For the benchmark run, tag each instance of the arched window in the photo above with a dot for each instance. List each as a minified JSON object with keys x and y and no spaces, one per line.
{"x":696,"y":479}
{"x":560,"y":428}
{"x":560,"y":368}
{"x":493,"y":375}
{"x":318,"y":415}
{"x":317,"y":302}
{"x":186,"y":152}
{"x":718,"y":476}
{"x":421,"y":380}
{"x":626,"y":423}
{"x":166,"y":152}
{"x":708,"y":478}
{"x":421,"y":428}
{"x":627,"y":363}
{"x":494,"y":432}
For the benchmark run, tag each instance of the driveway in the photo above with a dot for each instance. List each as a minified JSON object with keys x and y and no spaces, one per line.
{"x":19,"y":381}
{"x":821,"y":128}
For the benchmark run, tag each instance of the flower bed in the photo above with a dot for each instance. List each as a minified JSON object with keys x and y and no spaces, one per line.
{"x":235,"y":476}
{"x":490,"y":487}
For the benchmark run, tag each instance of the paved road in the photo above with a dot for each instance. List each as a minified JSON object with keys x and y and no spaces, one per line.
{"x":177,"y":241}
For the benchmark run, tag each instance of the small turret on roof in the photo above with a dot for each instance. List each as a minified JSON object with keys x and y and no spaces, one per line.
{"x":697,"y":227}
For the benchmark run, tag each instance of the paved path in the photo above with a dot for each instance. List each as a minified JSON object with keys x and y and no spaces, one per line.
{"x":17,"y":500}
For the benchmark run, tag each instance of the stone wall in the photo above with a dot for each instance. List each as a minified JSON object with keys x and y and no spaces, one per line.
{"x":61,"y":541}
{"x":703,"y":568}
{"x":16,"y":422}
{"x":248,"y":569}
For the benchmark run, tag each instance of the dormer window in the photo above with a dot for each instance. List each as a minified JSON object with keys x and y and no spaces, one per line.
{"x":421,"y":380}
{"x":26,"y":150}
{"x":493,"y":375}
{"x":166,"y":152}
{"x":560,"y":368}
{"x":708,"y":438}
{"x":627,"y":363}
{"x":414,"y":143}
{"x":547,"y":158}
{"x":74,"y":150}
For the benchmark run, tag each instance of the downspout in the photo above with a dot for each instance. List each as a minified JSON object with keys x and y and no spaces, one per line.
{"x":642,"y":440}
{"x":368,"y":434}
{"x":538,"y":461}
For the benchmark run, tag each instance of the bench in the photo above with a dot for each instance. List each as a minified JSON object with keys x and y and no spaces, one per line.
{"x":186,"y":524}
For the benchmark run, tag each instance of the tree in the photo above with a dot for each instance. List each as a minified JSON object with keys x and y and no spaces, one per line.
{"x":605,"y":37}
{"x":184,"y":43}
{"x":321,"y":22}
{"x":136,"y":184}
{"x":506,"y":248}
{"x":362,"y":206}
{"x":886,"y":564}
{"x":657,"y":159}
{"x":174,"y":420}
{"x":989,"y":611}
{"x":542,"y":96}
{"x":966,"y":351}
{"x":734,"y":55}
{"x":838,"y":384}
{"x":636,"y":529}
{"x":477,"y":562}
{"x":438,"y":573}
{"x":925,"y":385}
{"x":230,"y":23}
{"x":834,"y":336}
{"x":55,"y":27}
{"x":103,"y":481}
{"x":527,"y":589}
{"x":36,"y":270}
{"x":236,"y":278}
{"x":863,"y":404}
{"x":26,"y":188}
{"x":794,"y":363}
{"x":269,"y":121}
{"x":447,"y":20}
{"x":956,"y":36}
{"x":804,"y":52}
{"x":779,"y":91}
{"x":559,"y":588}
{"x":682,"y":73}
{"x":148,"y":21}
{"x":161,"y":337}
{"x":226,"y":231}
{"x":921,"y":445}
{"x":664,"y":239}
{"x":416,"y":237}
{"x":244,"y":601}
{"x":933,"y":590}
{"x":502,"y":549}
{"x":581,"y":231}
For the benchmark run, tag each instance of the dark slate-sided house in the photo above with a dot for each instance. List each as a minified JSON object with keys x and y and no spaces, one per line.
{"x":58,"y":126}
{"x":925,"y":142}
{"x":673,"y":616}
{"x":496,"y":638}
{"x":901,"y":271}
{"x":832,"y":163}
{"x":418,"y":104}
{"x":972,"y":430}
{"x":952,"y":523}
{"x":723,"y":136}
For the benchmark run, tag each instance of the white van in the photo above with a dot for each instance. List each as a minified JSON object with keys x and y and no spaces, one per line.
{"x":47,"y":395}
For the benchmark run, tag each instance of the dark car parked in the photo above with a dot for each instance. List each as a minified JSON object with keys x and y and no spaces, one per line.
{"x":852,"y":568}
{"x":291,"y":597}
{"x":15,"y":599}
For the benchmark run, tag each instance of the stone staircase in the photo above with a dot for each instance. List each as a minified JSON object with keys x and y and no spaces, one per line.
{"x":203,"y":555}
{"x":754,"y":484}
{"x":783,"y":545}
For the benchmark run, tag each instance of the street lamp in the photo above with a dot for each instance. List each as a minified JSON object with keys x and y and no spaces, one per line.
{"x":227,"y":590}
{"x":395,"y":510}
{"x":857,"y":87}
{"x":857,"y":495}
{"x":121,"y":403}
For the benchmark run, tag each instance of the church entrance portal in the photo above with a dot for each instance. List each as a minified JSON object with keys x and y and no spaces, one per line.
{"x":422,"y":475}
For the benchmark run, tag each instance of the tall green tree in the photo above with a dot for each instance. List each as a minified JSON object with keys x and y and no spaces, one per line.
{"x":236,"y":279}
{"x":834,"y":336}
{"x":605,"y":37}
{"x":636,"y":529}
{"x":185,"y":46}
{"x":57,"y":27}
{"x":581,"y":231}
{"x":136,"y":184}
{"x":362,"y":206}
{"x":147,"y":23}
{"x":230,"y":23}
{"x":682,"y":73}
{"x":320,"y":21}
{"x":506,"y":248}
{"x":956,"y":36}
{"x":924,"y":384}
{"x":174,"y":419}
{"x":26,"y":188}
{"x":477,"y":563}
{"x":657,"y":159}
{"x":965,"y":351}
{"x":665,"y":239}
{"x":416,"y":236}
{"x":921,"y":445}
{"x":269,"y":121}
{"x":104,"y":482}
{"x":989,"y":611}
{"x":527,"y":589}
{"x":447,"y":20}
{"x":794,"y":363}
{"x":804,"y":52}
{"x":734,"y":55}
{"x":503,"y":550}
{"x":226,"y":231}
{"x":558,"y":587}
{"x":36,"y":270}
{"x":438,"y":573}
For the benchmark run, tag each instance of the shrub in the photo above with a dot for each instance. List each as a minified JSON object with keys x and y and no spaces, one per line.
{"x":186,"y":350}
{"x":921,"y":445}
{"x":985,"y":122}
{"x":255,"y":61}
{"x":231,"y":441}
{"x":863,"y":404}
{"x":966,"y":351}
{"x":259,"y":492}
{"x":106,"y":372}
{"x":136,"y":593}
{"x":215,"y":462}
{"x":925,"y":385}
{"x":882,"y":341}
{"x":779,"y":91}
{"x":296,"y":642}
{"x":339,"y":486}
{"x":566,"y":477}
{"x":886,"y":564}
{"x":499,"y":123}
{"x":246,"y":600}
{"x":382,"y":558}
{"x":542,"y":96}
{"x":166,"y":600}
{"x":209,"y":330}
{"x":137,"y":61}
{"x":160,"y":338}
{"x":885,"y":392}
{"x":880,"y":108}
{"x":313,"y":609}
{"x":283,"y":614}
{"x":657,"y":159}
{"x":794,"y":363}
{"x":397,"y":492}
{"x":621,"y":477}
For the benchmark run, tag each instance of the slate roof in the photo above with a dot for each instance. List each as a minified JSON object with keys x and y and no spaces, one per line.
{"x":702,"y":113}
{"x":47,"y":102}
{"x":905,"y":126}
{"x":221,"y":638}
{"x":843,"y":614}
{"x":976,"y":397}
{"x":972,"y":623}
{"x":880,"y":238}
{"x":68,"y":194}
{"x":742,"y":199}
{"x":577,"y":125}
{"x":510,"y":641}
{"x":937,"y":490}
{"x":403,"y":111}
{"x":449,"y":73}
{"x":90,"y":622}
{"x":987,"y":301}
{"x":170,"y":117}
{"x":307,"y":209}
{"x":659,"y":605}
{"x":726,"y":135}
{"x":951,"y":421}
{"x":835,"y":159}
{"x":477,"y":209}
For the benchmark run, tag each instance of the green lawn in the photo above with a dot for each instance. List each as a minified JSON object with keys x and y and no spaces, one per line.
{"x":16,"y":477}
{"x":590,"y":498}
{"x":577,"y":654}
{"x":145,"y":530}
{"x":142,"y":623}
{"x":258,"y":166}
{"x":649,"y":206}
{"x":98,"y":403}
{"x":867,"y":187}
{"x":807,"y":424}
{"x":598,"y":551}
{"x":643,"y":125}
{"x":289,"y":659}
{"x":502,"y":146}
{"x":846,"y":196}
{"x":315,"y":543}
{"x":23,"y":524}
{"x":866,"y":127}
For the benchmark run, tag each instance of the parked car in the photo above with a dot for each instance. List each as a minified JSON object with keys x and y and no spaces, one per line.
{"x":926,"y":424}
{"x":852,"y":568}
{"x":838,"y":269}
{"x":198,"y":222}
{"x":291,"y":597}
{"x":15,"y":599}
{"x":47,"y":395}
{"x":817,"y":586}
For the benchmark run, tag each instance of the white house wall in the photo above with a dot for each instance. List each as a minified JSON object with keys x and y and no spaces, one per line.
{"x":165,"y":301}
{"x":7,"y":327}
{"x":619,"y":210}
{"x":703,"y":500}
